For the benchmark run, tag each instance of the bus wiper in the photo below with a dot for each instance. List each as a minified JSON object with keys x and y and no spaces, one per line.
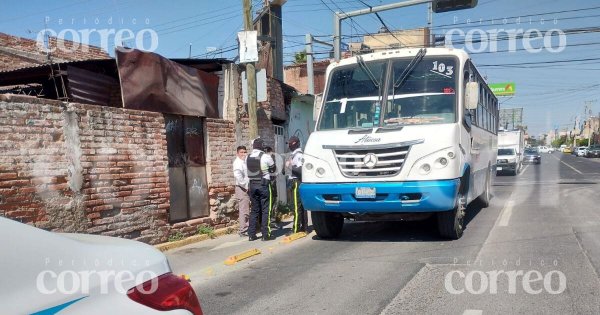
{"x":366,"y":69}
{"x":411,"y":66}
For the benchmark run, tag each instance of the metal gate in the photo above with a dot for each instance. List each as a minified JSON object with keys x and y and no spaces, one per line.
{"x":187,"y":168}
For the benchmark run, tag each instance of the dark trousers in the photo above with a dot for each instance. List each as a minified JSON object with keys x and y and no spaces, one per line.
{"x":260,"y":198}
{"x":300,"y":216}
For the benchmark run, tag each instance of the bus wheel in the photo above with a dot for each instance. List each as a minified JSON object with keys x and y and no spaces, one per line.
{"x":484,"y":199}
{"x":451,"y":223}
{"x":327,"y":224}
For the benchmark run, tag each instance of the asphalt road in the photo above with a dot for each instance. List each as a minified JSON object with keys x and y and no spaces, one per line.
{"x":535,"y":250}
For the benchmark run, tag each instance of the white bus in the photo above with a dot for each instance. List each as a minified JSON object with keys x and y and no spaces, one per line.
{"x":429,"y":148}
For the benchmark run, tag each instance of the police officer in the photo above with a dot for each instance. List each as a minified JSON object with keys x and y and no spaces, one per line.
{"x":295,"y":162}
{"x":259,"y":165}
{"x":273,"y":188}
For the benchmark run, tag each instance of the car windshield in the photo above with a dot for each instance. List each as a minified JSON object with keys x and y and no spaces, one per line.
{"x":531,"y":151}
{"x":426,"y":95}
{"x":507,"y":151}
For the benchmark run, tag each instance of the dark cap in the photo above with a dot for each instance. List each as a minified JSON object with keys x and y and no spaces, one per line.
{"x":293,"y":139}
{"x":258,"y":144}
{"x":293,"y":143}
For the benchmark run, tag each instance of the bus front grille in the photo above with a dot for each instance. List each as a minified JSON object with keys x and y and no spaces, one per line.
{"x":371,"y":162}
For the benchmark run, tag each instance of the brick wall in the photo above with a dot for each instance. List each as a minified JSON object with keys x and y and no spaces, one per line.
{"x":221,"y":153}
{"x":84,"y":168}
{"x":18,"y":52}
{"x":296,"y":76}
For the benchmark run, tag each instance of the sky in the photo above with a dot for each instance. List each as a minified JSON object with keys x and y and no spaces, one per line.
{"x":553,"y":85}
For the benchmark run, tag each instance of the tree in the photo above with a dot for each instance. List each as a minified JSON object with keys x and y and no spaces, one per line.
{"x":300,"y":57}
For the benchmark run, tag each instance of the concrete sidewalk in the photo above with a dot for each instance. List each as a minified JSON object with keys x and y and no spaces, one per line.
{"x":204,"y":260}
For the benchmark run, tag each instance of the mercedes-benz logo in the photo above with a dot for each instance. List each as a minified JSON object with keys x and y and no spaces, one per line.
{"x":370,"y":160}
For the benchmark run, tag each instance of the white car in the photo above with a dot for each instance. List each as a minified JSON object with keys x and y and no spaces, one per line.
{"x":544,"y":149}
{"x":581,"y":151}
{"x":57,"y":273}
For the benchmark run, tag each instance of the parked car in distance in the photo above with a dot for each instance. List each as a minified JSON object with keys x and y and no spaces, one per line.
{"x":593,"y":151}
{"x":545,"y":149}
{"x":50,"y":273}
{"x":567,"y":150}
{"x":532,"y":156}
{"x":581,"y":151}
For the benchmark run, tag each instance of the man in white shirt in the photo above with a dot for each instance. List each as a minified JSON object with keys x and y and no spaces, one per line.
{"x":240,"y":172}
{"x":260,"y":165}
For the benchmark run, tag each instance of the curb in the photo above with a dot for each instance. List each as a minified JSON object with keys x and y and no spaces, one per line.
{"x":241,"y":256}
{"x":195,"y":239}
{"x":293,"y":237}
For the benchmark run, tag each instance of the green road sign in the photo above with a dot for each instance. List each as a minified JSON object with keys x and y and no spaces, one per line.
{"x":503,"y":89}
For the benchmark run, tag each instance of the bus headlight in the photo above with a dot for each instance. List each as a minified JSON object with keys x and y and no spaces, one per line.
{"x":320,"y":171}
{"x":308,"y":166}
{"x":425,"y":169}
{"x":441,"y":162}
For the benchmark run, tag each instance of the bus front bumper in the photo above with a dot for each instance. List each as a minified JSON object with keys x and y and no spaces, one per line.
{"x":392,"y":197}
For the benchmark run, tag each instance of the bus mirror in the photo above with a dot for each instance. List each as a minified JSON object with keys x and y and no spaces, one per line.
{"x":471,"y":95}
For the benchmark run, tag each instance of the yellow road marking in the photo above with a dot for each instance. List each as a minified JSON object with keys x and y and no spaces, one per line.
{"x":245,"y":255}
{"x":293,"y":237}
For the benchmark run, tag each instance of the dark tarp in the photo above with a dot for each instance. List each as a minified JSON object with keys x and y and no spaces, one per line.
{"x":153,"y":83}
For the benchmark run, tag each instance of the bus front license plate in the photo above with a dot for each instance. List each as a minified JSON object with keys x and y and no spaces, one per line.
{"x":498,"y":168}
{"x":365,"y":192}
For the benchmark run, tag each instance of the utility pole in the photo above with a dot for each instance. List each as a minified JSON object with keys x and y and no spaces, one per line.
{"x":430,"y":24}
{"x":250,"y":75}
{"x":588,"y":112}
{"x":309,"y":40}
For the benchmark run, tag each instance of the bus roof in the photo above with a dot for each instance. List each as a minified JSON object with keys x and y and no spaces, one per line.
{"x":404,"y":52}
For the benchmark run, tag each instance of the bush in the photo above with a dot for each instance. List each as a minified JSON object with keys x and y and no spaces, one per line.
{"x":205,"y":229}
{"x":177,"y":236}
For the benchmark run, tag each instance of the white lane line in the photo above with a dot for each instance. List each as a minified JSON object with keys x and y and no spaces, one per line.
{"x":496,"y":223}
{"x":563,"y":162}
{"x":523,"y":171}
{"x":473,"y":312}
{"x":506,"y":213}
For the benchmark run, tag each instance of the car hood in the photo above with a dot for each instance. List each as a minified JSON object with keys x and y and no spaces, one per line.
{"x":34,"y":260}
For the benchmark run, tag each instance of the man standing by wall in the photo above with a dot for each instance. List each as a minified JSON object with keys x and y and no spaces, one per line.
{"x":295,"y":178}
{"x":259,"y":165}
{"x":240,"y":172}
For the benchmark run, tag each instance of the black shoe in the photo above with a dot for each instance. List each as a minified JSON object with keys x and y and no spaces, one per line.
{"x":252,"y":238}
{"x":268,"y":238}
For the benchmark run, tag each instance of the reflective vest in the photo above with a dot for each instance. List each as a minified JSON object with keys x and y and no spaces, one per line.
{"x":253,"y":164}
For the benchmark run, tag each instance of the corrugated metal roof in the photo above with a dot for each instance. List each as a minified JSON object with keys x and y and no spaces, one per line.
{"x":55,"y":63}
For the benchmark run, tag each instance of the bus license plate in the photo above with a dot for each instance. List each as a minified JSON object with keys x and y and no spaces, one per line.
{"x":365,"y":192}
{"x":498,"y":168}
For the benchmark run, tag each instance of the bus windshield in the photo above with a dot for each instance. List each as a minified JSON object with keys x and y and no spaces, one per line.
{"x":426,"y":95}
{"x":354,"y":96}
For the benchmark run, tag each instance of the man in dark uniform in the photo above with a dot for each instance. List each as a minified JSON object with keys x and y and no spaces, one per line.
{"x":259,"y":165}
{"x":295,"y":178}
